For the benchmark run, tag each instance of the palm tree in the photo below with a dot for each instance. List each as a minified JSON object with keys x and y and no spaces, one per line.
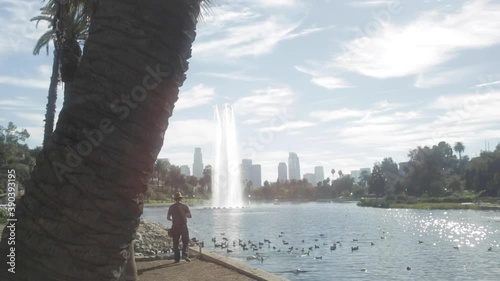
{"x":459,"y":148}
{"x":78,"y":216}
{"x":68,"y":24}
{"x":333,"y":173}
{"x":340,"y":173}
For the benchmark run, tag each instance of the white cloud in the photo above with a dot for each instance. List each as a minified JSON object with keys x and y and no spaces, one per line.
{"x":488,"y":84}
{"x":288,"y":126}
{"x":34,"y":117}
{"x":476,"y":110}
{"x":25,"y":82}
{"x":234,"y":76}
{"x":265,"y":104}
{"x":344,"y":113}
{"x":369,"y":3}
{"x":434,"y":38}
{"x":42,"y":80}
{"x":252,"y":39}
{"x":20,"y":103}
{"x":194,"y":97}
{"x":277,"y":3}
{"x":323,"y":79}
{"x":433,"y":79}
{"x":189,"y":133}
{"x":247,"y":29}
{"x":17,"y":33}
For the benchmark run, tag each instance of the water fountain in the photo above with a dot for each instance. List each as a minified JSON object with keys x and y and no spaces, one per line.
{"x":227,"y":189}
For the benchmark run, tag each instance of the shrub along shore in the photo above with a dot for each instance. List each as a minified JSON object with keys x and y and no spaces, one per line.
{"x":467,"y":203}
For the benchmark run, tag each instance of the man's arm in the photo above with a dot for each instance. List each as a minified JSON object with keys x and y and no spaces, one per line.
{"x":188,"y":212}
{"x":169,"y":214}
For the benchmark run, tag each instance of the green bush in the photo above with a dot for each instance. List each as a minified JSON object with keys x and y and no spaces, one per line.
{"x":3,"y":215}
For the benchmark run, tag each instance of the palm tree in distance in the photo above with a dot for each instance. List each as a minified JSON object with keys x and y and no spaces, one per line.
{"x":340,"y":173}
{"x":333,"y":173}
{"x":80,"y":211}
{"x":459,"y":148}
{"x":68,"y":25}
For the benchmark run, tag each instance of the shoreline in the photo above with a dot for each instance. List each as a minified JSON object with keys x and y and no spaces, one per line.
{"x":430,"y":204}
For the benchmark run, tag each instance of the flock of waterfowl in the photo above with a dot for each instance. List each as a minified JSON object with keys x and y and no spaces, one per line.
{"x":262,"y":250}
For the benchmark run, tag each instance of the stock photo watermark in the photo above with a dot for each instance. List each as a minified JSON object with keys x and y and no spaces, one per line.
{"x":11,"y":220}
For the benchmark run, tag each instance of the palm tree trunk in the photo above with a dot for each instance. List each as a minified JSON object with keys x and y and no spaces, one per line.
{"x":77,"y":218}
{"x":51,"y":100}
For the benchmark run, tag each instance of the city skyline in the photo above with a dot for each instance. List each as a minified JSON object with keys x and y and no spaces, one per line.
{"x":342,"y":83}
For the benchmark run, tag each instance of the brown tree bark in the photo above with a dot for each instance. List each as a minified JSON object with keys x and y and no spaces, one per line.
{"x":77,"y":219}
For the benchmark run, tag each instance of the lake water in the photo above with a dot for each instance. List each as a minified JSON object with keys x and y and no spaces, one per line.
{"x":454,"y":243}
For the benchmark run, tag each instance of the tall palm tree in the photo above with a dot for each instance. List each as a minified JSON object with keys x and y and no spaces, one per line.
{"x":459,"y":148}
{"x":77,"y":218}
{"x":68,"y":24}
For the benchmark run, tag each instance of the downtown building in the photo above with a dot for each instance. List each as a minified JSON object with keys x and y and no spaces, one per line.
{"x":282,"y":172}
{"x":319,"y":174}
{"x":256,"y":176}
{"x":185,"y":170}
{"x":246,"y":171}
{"x":310,"y":178}
{"x":198,"y":163}
{"x":293,"y":166}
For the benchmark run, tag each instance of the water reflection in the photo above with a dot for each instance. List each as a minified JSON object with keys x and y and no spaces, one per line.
{"x":455,"y":227}
{"x":435,"y":245}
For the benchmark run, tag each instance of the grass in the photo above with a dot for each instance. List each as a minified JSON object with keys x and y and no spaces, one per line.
{"x":444,"y":203}
{"x":431,"y":206}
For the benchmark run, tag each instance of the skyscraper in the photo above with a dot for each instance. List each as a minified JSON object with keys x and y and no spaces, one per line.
{"x":256,"y":177}
{"x":198,"y":163}
{"x":319,"y":174}
{"x":185,"y":170}
{"x":282,"y":173}
{"x":309,"y":177}
{"x":246,"y":170}
{"x":293,"y":166}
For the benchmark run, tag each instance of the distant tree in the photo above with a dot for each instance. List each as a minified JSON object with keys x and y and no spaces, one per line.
{"x":161,"y":173}
{"x":10,"y":142}
{"x":333,"y":173}
{"x":482,"y":173}
{"x":343,"y":185}
{"x":364,"y":178}
{"x":391,"y":173}
{"x":428,"y":166}
{"x":15,"y":154}
{"x":459,"y":148}
{"x":358,"y":191}
{"x":340,"y":173}
{"x":206,"y":180}
{"x":377,"y":181}
{"x":455,"y":184}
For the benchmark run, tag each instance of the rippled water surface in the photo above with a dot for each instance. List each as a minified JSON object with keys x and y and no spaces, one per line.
{"x":434,"y":244}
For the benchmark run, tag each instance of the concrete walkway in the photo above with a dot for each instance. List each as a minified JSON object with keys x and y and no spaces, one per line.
{"x":203,"y":267}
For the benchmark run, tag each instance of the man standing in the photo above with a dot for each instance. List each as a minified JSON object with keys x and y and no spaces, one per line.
{"x":178,"y":213}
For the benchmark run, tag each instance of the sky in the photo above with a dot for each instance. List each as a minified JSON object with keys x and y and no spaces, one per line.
{"x":343,"y":83}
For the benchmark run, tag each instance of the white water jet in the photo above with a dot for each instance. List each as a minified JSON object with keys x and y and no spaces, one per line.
{"x":227,"y":189}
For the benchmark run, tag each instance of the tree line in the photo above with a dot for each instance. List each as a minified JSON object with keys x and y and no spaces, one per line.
{"x":15,"y":154}
{"x":433,"y":171}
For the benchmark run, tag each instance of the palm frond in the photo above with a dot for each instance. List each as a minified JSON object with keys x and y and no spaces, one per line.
{"x":44,"y":40}
{"x":206,"y":6}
